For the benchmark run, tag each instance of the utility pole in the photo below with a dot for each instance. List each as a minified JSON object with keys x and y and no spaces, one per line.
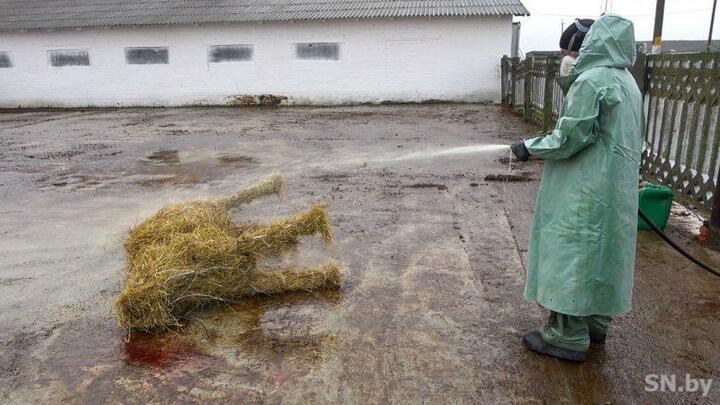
{"x":712,"y":23}
{"x":657,"y":34}
{"x":515,"y":40}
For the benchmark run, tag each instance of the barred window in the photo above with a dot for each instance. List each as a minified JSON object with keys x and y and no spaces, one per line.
{"x":230,"y":53}
{"x":318,"y":51}
{"x":5,"y":61}
{"x":69,"y":58}
{"x":147,"y":56}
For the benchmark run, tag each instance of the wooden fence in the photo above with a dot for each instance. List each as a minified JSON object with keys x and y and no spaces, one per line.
{"x":682,"y":103}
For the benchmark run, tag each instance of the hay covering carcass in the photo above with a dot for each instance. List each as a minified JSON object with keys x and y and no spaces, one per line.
{"x":191,"y":255}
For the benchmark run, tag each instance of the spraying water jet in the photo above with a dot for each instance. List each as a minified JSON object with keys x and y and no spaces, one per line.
{"x":463,"y":150}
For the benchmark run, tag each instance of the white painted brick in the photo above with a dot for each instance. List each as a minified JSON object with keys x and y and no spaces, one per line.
{"x":406,"y":60}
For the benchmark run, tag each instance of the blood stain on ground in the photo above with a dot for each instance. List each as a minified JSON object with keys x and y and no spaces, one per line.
{"x":143,"y":349}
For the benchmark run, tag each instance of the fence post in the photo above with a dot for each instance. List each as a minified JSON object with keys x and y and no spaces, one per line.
{"x":714,"y":228}
{"x":503,"y":80}
{"x":513,"y":80}
{"x":640,"y":71}
{"x":550,"y":67}
{"x":527,"y":95}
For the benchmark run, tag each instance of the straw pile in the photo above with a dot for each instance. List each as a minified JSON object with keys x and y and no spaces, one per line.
{"x":191,"y":255}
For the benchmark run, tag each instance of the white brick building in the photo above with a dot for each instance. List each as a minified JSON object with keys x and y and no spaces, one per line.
{"x":334,"y":52}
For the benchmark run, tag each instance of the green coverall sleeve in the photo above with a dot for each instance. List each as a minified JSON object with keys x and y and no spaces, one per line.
{"x":576,"y":128}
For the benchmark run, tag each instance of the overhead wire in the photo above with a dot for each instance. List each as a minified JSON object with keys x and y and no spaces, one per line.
{"x":626,"y":15}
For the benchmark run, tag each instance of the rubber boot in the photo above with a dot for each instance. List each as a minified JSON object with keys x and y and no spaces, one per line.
{"x":535,"y":342}
{"x":598,"y":326}
{"x":597,"y":337}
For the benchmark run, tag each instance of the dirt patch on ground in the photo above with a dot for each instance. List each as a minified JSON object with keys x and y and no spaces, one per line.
{"x":440,"y":187}
{"x":266,"y":100}
{"x":524,"y":176}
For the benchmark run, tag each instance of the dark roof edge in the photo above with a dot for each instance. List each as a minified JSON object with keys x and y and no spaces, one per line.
{"x":252,"y":21}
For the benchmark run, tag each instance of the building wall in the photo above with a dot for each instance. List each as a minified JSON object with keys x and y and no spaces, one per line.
{"x":403,"y":60}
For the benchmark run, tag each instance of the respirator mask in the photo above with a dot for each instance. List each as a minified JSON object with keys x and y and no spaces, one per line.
{"x":566,"y":64}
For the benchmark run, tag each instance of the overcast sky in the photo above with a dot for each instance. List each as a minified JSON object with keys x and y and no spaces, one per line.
{"x":684,"y":19}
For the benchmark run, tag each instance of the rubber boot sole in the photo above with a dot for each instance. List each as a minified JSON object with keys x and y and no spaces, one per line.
{"x":535,"y":342}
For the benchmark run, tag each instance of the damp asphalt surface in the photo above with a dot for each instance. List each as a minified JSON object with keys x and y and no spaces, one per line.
{"x":431,"y":246}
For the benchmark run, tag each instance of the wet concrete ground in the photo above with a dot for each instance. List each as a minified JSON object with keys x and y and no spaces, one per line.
{"x":431,"y":308}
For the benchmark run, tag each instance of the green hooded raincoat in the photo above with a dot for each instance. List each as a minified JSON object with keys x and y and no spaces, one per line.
{"x":582,"y":244}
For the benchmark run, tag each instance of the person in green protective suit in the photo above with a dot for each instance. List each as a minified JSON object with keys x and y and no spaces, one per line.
{"x":582,"y":242}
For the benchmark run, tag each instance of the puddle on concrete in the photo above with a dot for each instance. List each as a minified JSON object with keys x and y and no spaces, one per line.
{"x":173,"y":167}
{"x":162,"y":157}
{"x":229,"y":159}
{"x":198,"y":165}
{"x":80,"y":181}
{"x":284,"y":334}
{"x":161,"y":168}
{"x":260,"y":328}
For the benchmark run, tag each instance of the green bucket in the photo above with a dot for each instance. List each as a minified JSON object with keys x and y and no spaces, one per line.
{"x":655,"y":201}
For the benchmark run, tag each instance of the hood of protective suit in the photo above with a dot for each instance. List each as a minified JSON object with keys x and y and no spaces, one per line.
{"x":609,"y":43}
